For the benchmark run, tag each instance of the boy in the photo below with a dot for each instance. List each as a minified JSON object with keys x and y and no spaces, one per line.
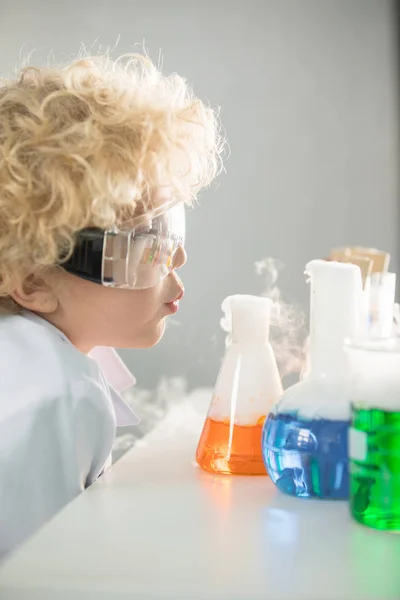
{"x":97,"y":160}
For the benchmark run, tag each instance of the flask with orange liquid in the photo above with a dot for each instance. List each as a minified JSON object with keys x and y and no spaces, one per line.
{"x":248,"y":385}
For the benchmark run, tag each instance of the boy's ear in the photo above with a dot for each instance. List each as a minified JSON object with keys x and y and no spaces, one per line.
{"x":36,"y":295}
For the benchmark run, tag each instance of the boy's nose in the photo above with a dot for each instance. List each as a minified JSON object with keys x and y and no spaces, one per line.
{"x":180,"y":258}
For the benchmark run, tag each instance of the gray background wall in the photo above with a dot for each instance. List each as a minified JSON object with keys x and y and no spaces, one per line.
{"x":308,"y":90}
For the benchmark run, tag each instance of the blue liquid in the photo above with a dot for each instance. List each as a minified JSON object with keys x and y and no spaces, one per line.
{"x":308,"y":459}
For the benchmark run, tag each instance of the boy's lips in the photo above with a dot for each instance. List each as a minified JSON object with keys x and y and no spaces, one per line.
{"x":173,"y":305}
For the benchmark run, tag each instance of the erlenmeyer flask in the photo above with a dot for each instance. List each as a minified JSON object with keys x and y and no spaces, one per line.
{"x":248,"y":385}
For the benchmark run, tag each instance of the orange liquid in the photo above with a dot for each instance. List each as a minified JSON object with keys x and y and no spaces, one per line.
{"x":235,"y":453}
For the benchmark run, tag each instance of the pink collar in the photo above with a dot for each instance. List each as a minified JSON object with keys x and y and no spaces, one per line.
{"x":119,"y":379}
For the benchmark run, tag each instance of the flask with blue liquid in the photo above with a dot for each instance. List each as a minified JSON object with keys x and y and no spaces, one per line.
{"x":304,"y":440}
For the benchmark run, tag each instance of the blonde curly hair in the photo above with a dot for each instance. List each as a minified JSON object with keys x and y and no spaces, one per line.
{"x":83,"y":144}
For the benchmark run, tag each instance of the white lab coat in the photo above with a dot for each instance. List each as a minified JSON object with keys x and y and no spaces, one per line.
{"x":58,"y":416}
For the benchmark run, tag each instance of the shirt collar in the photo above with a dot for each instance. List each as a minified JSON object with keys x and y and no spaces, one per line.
{"x":116,"y":373}
{"x":123,"y":413}
{"x":119,"y":378}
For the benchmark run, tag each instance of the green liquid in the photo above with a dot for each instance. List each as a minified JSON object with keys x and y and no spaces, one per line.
{"x":374,"y":450}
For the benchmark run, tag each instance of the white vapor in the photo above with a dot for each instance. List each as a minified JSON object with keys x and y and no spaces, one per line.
{"x":288,"y":330}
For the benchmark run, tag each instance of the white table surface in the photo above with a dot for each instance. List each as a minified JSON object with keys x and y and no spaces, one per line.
{"x":156,"y":526}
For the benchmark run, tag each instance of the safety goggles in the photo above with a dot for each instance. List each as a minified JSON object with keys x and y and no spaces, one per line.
{"x":138,"y":254}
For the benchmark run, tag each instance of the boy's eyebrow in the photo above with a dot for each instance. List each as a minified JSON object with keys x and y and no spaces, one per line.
{"x":146,"y":205}
{"x":144,"y":211}
{"x":134,"y":215}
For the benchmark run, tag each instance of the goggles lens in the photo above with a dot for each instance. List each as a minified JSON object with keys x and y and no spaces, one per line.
{"x":137,"y":255}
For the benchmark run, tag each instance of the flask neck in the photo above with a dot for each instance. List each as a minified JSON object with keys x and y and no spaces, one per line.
{"x":335,"y":306}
